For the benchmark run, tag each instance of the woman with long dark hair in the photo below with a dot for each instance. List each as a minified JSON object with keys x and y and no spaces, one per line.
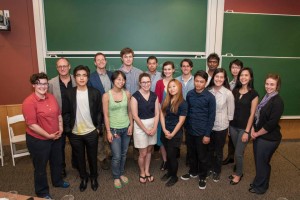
{"x":246,"y":100}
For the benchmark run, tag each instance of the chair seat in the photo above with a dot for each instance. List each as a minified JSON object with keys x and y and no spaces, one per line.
{"x":18,"y":138}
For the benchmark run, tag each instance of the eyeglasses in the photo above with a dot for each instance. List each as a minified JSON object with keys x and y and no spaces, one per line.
{"x":42,"y":84}
{"x":146,"y":82}
{"x":81,"y":75}
{"x":62,"y":66}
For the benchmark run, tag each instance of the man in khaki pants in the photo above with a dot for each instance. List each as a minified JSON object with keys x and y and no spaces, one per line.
{"x":101,"y":80}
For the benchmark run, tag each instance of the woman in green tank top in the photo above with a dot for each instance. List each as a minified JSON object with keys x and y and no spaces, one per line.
{"x":119,"y":124}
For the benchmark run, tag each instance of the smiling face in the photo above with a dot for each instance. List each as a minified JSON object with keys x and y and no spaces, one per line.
{"x":127,"y":59}
{"x":213,"y":64}
{"x":199,"y":83}
{"x":41,"y":87}
{"x":271,"y":85}
{"x":145,"y":83}
{"x":186,"y":68}
{"x":245,"y":77}
{"x":219,"y":79}
{"x":152,"y":65}
{"x":119,"y":82}
{"x":168,"y":71}
{"x":63,"y":67}
{"x":100,"y":62}
{"x":173,"y":88}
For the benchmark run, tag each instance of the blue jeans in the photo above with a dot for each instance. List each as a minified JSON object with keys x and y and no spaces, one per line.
{"x":119,"y":147}
{"x":236,"y":136}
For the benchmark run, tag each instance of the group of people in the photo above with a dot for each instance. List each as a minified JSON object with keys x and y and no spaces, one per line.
{"x":100,"y":111}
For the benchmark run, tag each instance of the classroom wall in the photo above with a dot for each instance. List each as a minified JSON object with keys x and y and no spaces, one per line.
{"x":18,"y":55}
{"x":291,"y":7}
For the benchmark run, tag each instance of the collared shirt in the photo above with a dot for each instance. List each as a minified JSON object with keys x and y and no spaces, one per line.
{"x":43,"y":112}
{"x":154,"y":78}
{"x":63,"y":89}
{"x":232,"y":84}
{"x":208,"y":80}
{"x":105,"y":81}
{"x":224,"y":108}
{"x":186,"y":86}
{"x":132,"y":79}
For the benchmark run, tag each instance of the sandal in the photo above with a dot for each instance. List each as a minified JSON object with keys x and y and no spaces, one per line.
{"x":124,"y":179}
{"x":150,"y":178}
{"x":143,"y":178}
{"x":117,"y":183}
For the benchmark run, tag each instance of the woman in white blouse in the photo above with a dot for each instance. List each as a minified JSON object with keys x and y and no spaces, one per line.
{"x":219,"y":87}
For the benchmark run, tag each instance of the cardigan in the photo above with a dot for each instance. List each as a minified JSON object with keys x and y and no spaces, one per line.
{"x":269,"y":119}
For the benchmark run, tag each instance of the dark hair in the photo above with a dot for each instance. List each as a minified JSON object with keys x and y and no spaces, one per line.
{"x":115,"y":75}
{"x":250,"y":85}
{"x":144,"y":74}
{"x":213,"y":56}
{"x":126,"y":50}
{"x":275,"y":77}
{"x":99,"y":53}
{"x":35,"y":78}
{"x":165,"y":64}
{"x":81,"y":67}
{"x":63,"y":58}
{"x":237,"y":62}
{"x":225,"y":83}
{"x":152,"y":58}
{"x":202,"y":74}
{"x":188,"y":61}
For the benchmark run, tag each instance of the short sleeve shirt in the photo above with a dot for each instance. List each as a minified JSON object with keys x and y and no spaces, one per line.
{"x":172,"y":119}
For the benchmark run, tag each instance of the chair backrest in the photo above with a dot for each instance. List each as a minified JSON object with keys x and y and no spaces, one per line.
{"x":13,"y":120}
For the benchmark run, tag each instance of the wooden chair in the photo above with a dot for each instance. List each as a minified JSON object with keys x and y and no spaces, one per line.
{"x":1,"y":150}
{"x":15,"y":139}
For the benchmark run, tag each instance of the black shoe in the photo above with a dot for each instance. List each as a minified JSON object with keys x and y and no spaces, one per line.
{"x":83,"y":184}
{"x":64,"y":173}
{"x":94,"y":184}
{"x":252,"y":190}
{"x":227,"y":161}
{"x":165,"y":177}
{"x":104,"y":164}
{"x":163,"y":166}
{"x":202,"y":184}
{"x":172,"y":181}
{"x":216,"y":177}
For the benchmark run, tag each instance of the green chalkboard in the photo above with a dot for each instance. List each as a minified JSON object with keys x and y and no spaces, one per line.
{"x":261,"y":35}
{"x":288,"y":69}
{"x":110,"y":25}
{"x":115,"y":63}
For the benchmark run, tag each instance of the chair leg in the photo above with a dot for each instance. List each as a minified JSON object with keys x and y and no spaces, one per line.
{"x":12,"y":148}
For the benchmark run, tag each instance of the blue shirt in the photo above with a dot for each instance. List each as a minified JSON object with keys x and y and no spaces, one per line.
{"x":201,"y":113}
{"x":154,"y":78}
{"x":186,"y":87}
{"x":172,"y":119}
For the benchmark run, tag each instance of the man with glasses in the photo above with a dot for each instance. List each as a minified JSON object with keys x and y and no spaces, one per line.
{"x":58,"y":86}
